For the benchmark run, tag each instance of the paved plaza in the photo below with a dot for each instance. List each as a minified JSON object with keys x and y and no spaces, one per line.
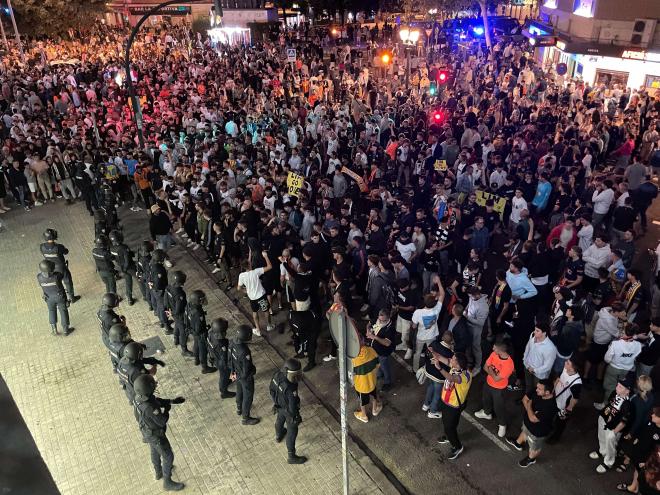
{"x":79,"y":416}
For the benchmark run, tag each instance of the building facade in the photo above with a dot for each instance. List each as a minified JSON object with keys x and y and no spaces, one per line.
{"x":600,"y":41}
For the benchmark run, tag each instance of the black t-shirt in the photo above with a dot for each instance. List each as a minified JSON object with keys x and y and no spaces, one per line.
{"x":407,"y":298}
{"x":574,"y":269}
{"x":385,"y":332}
{"x":545,"y":410}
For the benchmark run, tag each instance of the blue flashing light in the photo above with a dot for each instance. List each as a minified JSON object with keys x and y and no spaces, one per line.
{"x":478,"y":31}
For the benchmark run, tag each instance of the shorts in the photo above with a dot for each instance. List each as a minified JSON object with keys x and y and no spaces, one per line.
{"x":364,"y":398}
{"x":402,"y":325}
{"x":303,"y":305}
{"x":260,"y":304}
{"x":33,"y":187}
{"x":534,"y":443}
{"x":596,"y":353}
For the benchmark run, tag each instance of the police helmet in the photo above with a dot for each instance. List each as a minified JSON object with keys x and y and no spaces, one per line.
{"x":197,"y":298}
{"x":116,"y":237}
{"x":178,"y":278}
{"x":101,"y":241}
{"x":244,"y":333}
{"x":46,"y":267}
{"x":158,"y":256}
{"x":133,"y":351}
{"x":219,"y":327}
{"x":110,"y":299}
{"x":50,"y":235}
{"x":144,"y":386}
{"x":293,"y":370}
{"x":119,"y":333}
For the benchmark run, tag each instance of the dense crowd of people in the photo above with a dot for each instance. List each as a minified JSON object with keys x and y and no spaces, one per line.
{"x":488,"y":228}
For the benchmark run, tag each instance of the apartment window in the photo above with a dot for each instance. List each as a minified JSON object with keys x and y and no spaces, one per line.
{"x":584,"y":8}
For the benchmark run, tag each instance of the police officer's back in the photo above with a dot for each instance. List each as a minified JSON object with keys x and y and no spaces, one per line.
{"x":196,"y":322}
{"x":175,"y":305}
{"x":286,"y":404}
{"x":52,"y":251}
{"x":104,"y":265}
{"x":107,"y":315}
{"x":158,"y":284}
{"x":143,"y":269}
{"x":118,"y":337}
{"x":152,"y":414}
{"x":218,"y":345}
{"x":125,"y":264}
{"x":54,"y":294}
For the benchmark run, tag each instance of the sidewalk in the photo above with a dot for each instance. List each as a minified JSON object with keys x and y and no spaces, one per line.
{"x":79,"y":417}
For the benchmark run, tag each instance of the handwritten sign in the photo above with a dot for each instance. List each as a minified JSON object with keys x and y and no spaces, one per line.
{"x":356,"y":177}
{"x":440,"y":165}
{"x":295,"y":183}
{"x":499,"y":202}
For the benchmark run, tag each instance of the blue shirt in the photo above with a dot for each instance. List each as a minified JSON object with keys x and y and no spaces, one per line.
{"x":543,"y":190}
{"x":520,"y":284}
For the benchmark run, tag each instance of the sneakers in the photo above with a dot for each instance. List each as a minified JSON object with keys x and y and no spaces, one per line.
{"x":270,"y":328}
{"x":425,"y":407}
{"x":594,"y":455}
{"x":195,"y":247}
{"x":434,"y":415}
{"x":599,"y":406}
{"x":329,"y":358}
{"x":215,"y":270}
{"x":501,"y":431}
{"x":409,"y":354}
{"x":443,"y":440}
{"x":377,"y":407}
{"x":180,"y":230}
{"x":256,"y":332}
{"x":38,"y":203}
{"x":514,"y":444}
{"x":454,"y":453}
{"x":526,"y":462}
{"x":481,"y":414}
{"x":360,"y":416}
{"x":602,"y":469}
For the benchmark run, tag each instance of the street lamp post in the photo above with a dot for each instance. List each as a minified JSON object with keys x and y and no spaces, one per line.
{"x":18,"y":36}
{"x":409,"y":38}
{"x":137,"y":112}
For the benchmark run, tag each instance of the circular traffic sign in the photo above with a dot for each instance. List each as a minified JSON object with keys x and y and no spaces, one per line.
{"x":562,"y":68}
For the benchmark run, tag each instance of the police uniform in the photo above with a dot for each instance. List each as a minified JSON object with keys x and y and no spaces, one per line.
{"x":219,"y":349}
{"x":158,"y":281}
{"x":306,"y":333}
{"x":196,"y":322}
{"x":123,"y":258}
{"x":152,"y":415}
{"x":55,"y":297}
{"x":105,"y":268}
{"x":127,"y":371}
{"x":55,"y":252}
{"x":175,"y":303}
{"x":116,"y":350}
{"x":287,"y":406}
{"x":241,"y":364}
{"x":143,"y":274}
{"x":107,"y":317}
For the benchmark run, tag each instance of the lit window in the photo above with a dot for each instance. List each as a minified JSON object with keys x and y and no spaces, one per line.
{"x":583,"y":8}
{"x":550,"y":4}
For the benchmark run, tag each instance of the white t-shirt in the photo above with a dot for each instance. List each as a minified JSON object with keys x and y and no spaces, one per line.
{"x":252,"y":283}
{"x":517,"y":205}
{"x":426,"y":320}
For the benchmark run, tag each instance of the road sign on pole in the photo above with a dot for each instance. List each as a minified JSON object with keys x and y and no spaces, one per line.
{"x":290,"y":54}
{"x":345,"y":336}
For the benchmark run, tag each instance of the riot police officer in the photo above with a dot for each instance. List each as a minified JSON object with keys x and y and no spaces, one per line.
{"x":218,"y":345}
{"x":286,"y":404}
{"x":152,"y":414}
{"x":242,"y":372}
{"x":52,"y":251}
{"x":123,"y":258}
{"x":131,"y":365}
{"x":305,"y":328}
{"x":118,"y":336}
{"x":157,"y":284}
{"x":100,"y":223}
{"x":143,"y":271}
{"x":107,"y":316}
{"x":54,"y":295}
{"x":175,"y":308}
{"x":196,"y":323}
{"x":86,"y":187}
{"x":104,"y":266}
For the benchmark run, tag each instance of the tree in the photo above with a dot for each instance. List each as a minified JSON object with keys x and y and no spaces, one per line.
{"x":457,"y":5}
{"x":56,"y":16}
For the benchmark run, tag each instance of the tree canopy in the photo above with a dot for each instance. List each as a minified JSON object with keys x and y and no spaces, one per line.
{"x":39,"y":17}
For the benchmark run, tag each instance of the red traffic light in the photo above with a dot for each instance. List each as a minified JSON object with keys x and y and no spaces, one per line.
{"x":437,"y":116}
{"x":442,"y":77}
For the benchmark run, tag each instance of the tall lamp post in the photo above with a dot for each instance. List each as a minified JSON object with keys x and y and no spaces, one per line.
{"x":409,"y":38}
{"x":137,"y":112}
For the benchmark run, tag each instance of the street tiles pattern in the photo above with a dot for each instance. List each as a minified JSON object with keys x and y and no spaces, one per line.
{"x":80,"y":418}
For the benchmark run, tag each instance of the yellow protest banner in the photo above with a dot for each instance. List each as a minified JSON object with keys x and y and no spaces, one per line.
{"x":440,"y":165}
{"x":356,"y":177}
{"x":295,"y":183}
{"x":499,"y":202}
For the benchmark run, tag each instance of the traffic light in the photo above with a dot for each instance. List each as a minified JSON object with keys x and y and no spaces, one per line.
{"x":443,"y":77}
{"x":437,"y":117}
{"x":433,"y":88}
